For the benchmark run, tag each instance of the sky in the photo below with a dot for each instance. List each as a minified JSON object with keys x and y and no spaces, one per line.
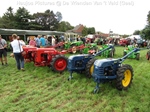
{"x":119,"y":16}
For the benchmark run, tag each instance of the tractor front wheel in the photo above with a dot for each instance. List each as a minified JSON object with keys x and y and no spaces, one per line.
{"x":59,"y":63}
{"x":90,"y":68}
{"x":124,"y":77}
{"x":138,"y":56}
{"x":111,"y":54}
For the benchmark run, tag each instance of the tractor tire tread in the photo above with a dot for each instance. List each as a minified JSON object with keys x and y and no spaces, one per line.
{"x":120,"y":75}
{"x":88,"y":66}
{"x":54,"y":60}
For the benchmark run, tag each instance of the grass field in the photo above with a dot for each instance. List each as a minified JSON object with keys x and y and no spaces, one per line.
{"x":38,"y":89}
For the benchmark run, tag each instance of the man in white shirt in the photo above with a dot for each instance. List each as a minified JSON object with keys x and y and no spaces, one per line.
{"x":17,"y":49}
{"x":53,"y":41}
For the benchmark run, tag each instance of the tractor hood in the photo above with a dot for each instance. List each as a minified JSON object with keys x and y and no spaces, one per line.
{"x":78,"y":56}
{"x":104,"y":62}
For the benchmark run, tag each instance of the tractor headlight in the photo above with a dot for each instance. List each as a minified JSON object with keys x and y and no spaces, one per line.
{"x":96,"y":67}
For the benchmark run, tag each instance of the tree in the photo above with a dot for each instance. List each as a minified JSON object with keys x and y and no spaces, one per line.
{"x":48,"y":20}
{"x":136,"y":32}
{"x":58,"y":16}
{"x":21,"y":18}
{"x":148,"y":18}
{"x":91,"y":30}
{"x":64,"y":26}
{"x":145,"y":33}
{"x":85,"y":31}
{"x":8,"y":19}
{"x":124,"y":36}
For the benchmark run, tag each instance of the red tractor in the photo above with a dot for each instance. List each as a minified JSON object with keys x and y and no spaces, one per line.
{"x":30,"y":51}
{"x":124,"y":42}
{"x":90,"y":38}
{"x":47,"y":57}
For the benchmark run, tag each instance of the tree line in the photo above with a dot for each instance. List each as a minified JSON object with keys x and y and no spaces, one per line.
{"x":48,"y":20}
{"x":145,"y":32}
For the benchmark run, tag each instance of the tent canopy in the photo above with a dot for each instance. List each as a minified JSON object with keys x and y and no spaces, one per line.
{"x":28,"y":32}
{"x":136,"y":36}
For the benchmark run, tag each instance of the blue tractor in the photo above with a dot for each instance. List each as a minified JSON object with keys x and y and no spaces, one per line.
{"x":112,"y":69}
{"x":83,"y":63}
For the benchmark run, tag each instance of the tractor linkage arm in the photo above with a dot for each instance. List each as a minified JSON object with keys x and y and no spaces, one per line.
{"x":126,"y":56}
{"x":98,"y":53}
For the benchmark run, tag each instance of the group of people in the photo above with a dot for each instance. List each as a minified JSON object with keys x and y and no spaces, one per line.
{"x":42,"y":41}
{"x":16,"y":45}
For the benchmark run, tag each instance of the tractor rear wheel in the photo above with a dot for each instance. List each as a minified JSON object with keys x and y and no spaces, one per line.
{"x":138,"y":56}
{"x":124,"y":77}
{"x":148,"y":55}
{"x":114,"y":50}
{"x":59,"y":63}
{"x":90,"y":68}
{"x":96,"y":49}
{"x":124,"y":53}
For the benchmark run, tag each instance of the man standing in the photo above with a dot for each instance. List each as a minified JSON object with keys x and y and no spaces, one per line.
{"x":42,"y":41}
{"x":37,"y":41}
{"x":3,"y":52}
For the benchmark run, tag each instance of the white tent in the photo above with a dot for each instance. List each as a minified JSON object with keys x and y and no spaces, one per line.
{"x":136,"y":36}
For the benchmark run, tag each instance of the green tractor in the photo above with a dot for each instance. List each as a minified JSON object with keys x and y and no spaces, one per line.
{"x":76,"y":43}
{"x":99,"y":41}
{"x":134,"y":55}
{"x":89,"y":47}
{"x":72,"y":47}
{"x":108,"y":53}
{"x":65,"y":46}
{"x":76,"y":46}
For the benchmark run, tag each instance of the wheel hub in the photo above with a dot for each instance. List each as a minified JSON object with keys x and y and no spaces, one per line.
{"x":126,"y":78}
{"x":60,"y":64}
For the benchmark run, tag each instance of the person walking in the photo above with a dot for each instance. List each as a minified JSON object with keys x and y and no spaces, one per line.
{"x":3,"y":52}
{"x":17,"y":49}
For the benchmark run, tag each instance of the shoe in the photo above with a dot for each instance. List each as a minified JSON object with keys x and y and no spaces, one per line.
{"x":2,"y":63}
{"x":22,"y":69}
{"x":6,"y":64}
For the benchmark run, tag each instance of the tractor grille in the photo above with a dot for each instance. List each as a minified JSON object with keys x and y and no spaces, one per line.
{"x":100,"y":71}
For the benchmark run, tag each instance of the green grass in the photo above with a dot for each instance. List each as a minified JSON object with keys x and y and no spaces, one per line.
{"x":38,"y":89}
